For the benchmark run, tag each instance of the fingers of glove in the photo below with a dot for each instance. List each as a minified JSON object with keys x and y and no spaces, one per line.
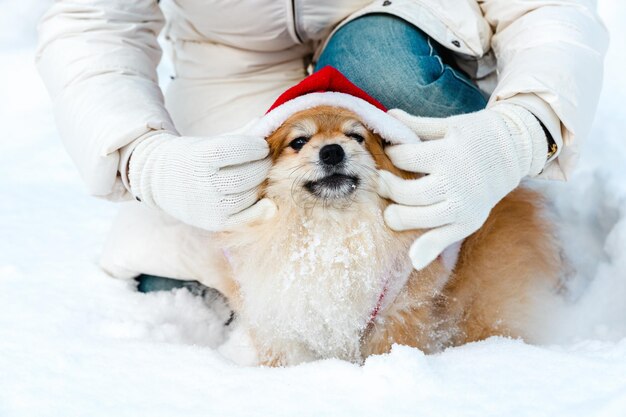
{"x":240,"y":178}
{"x":263,"y":210}
{"x":431,"y":244}
{"x":416,"y":157}
{"x":399,"y":217}
{"x":225,"y":151}
{"x":427,"y":128}
{"x":419,"y":192}
{"x":225,"y":206}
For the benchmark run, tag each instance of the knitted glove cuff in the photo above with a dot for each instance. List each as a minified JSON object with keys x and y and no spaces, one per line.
{"x":141,"y":158}
{"x":528,"y":135}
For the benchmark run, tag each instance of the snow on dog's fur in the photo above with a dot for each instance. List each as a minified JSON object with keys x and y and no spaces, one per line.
{"x":326,"y":278}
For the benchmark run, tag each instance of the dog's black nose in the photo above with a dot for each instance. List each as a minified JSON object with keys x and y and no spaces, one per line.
{"x":332,"y":154}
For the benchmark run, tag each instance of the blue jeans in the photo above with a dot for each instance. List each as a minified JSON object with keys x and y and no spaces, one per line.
{"x":152,"y":283}
{"x":400,"y":66}
{"x":395,"y":63}
{"x":211,"y":297}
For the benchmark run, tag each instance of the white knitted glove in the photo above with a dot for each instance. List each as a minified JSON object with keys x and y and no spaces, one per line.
{"x":211,"y":183}
{"x":472,"y":162}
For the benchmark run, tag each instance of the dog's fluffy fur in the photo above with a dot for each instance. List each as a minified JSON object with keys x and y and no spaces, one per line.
{"x":326,"y":278}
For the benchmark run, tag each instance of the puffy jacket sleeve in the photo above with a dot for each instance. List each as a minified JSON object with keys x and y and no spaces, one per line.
{"x":98,"y":60}
{"x":550,"y":60}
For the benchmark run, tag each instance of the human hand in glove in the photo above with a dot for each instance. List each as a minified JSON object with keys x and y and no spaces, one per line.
{"x":207,"y":182}
{"x":472,"y":161}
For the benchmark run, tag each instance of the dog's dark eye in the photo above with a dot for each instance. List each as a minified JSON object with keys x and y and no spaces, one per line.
{"x":356,"y":137}
{"x":298,"y":143}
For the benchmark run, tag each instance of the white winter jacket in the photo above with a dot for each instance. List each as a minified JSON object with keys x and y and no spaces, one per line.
{"x":98,"y":59}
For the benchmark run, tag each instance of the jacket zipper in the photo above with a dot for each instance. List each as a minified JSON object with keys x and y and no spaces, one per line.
{"x":295,"y":25}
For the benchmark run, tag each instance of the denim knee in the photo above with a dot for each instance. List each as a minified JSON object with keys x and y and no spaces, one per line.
{"x":400,"y":66}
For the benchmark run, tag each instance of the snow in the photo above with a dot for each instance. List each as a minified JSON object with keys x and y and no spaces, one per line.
{"x":75,"y":342}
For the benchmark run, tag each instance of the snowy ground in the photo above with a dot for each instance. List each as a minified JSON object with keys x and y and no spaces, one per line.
{"x":74,"y":342}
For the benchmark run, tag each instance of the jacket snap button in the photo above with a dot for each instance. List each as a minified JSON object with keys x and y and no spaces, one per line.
{"x":386,"y":3}
{"x":456,"y":43}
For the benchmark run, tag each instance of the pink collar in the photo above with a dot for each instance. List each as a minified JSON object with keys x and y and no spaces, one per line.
{"x":448,"y":258}
{"x":379,"y":303}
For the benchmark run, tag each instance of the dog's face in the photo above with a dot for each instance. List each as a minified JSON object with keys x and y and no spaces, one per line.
{"x":325,"y":157}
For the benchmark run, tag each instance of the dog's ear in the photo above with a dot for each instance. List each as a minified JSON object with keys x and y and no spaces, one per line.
{"x":276,"y":141}
{"x":376,"y":146}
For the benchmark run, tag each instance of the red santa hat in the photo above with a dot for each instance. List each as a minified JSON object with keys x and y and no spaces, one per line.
{"x":329,"y":87}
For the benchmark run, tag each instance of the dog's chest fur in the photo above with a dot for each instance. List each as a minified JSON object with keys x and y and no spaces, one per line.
{"x":309,"y":283}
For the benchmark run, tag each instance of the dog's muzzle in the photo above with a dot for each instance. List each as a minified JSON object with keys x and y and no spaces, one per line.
{"x":337,"y":183}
